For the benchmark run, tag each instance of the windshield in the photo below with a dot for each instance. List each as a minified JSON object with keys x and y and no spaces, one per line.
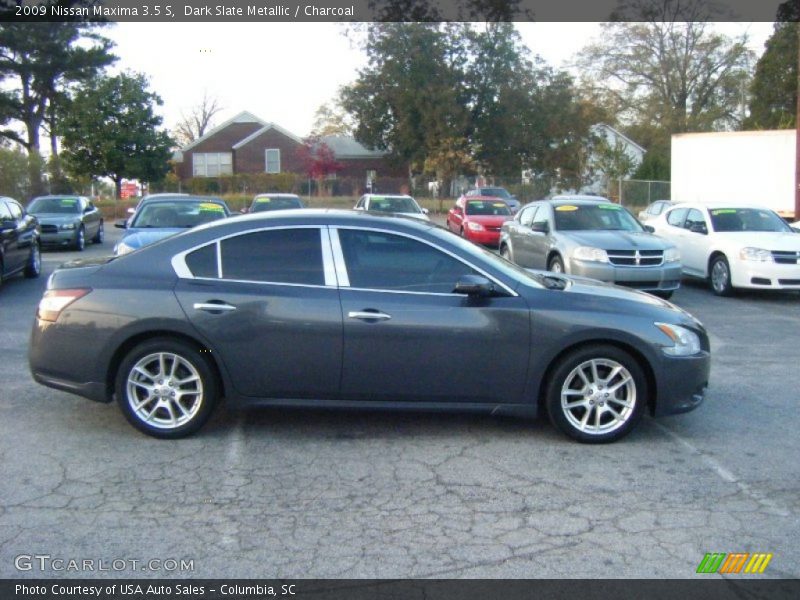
{"x":178,"y":214}
{"x":398,"y":204}
{"x":594,"y":217}
{"x":495,"y":192}
{"x":64,"y":206}
{"x":264,"y":203}
{"x":487,"y":207}
{"x":746,"y":219}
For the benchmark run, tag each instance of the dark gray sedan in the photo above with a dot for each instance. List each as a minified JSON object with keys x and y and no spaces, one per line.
{"x":591,"y":238}
{"x":68,"y":221}
{"x":348,"y":309}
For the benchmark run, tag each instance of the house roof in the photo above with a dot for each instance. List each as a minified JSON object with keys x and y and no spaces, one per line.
{"x":619,"y":134}
{"x":263,"y":130}
{"x":345,"y":146}
{"x":242,"y":117}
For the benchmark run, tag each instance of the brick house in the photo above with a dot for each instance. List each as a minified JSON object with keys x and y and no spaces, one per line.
{"x":248,"y":144}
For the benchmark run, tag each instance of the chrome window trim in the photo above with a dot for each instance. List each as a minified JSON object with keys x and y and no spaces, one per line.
{"x":219,"y":259}
{"x":338,"y":258}
{"x":328,"y":266}
{"x":337,"y":249}
{"x":270,"y":283}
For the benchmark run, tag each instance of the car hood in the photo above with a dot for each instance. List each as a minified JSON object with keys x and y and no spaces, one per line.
{"x":617,"y":240}
{"x":136,"y":238}
{"x":768,"y":240}
{"x":56,"y":218}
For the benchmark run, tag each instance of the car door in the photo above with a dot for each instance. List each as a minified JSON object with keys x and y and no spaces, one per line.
{"x":91,"y":218}
{"x":696,"y":243}
{"x":539,"y":243}
{"x":455,"y":217}
{"x":12,"y":230}
{"x":520,"y":235}
{"x":408,"y":337}
{"x":673,"y":230}
{"x":268,"y":300}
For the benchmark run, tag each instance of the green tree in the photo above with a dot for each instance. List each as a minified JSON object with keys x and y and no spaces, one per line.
{"x":411,"y":94}
{"x":38,"y":62}
{"x":668,"y":69}
{"x":113,"y":132}
{"x":773,"y":93}
{"x":14,"y":173}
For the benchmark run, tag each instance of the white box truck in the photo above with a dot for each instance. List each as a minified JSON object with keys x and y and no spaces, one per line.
{"x":737,"y":166}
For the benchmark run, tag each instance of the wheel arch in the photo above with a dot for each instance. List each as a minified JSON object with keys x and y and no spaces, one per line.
{"x":131,"y":342}
{"x":714,"y":254}
{"x":639,"y":357}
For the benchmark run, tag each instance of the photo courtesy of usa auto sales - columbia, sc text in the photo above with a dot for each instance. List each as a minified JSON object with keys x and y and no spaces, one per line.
{"x":139,"y":589}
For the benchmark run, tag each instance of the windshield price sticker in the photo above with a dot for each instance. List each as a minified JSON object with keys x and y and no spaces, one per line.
{"x":210,"y":206}
{"x":263,"y":200}
{"x":609,"y":206}
{"x":566,"y":208}
{"x":724,"y":211}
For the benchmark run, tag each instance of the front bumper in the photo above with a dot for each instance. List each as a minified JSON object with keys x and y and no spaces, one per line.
{"x":487,"y":237}
{"x":681,"y":383}
{"x":60,"y":238}
{"x":666,"y":277}
{"x":765,"y":275}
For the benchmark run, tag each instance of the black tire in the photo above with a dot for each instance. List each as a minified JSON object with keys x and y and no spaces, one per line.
{"x":196,"y":403}
{"x":505,"y":252}
{"x":719,"y":276}
{"x":598,"y":414}
{"x":80,"y":239}
{"x":33,"y":268}
{"x":100,"y":236}
{"x":664,"y":295}
{"x":556,"y":264}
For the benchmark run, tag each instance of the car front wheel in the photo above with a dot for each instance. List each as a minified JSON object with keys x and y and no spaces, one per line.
{"x":556,"y":264}
{"x":80,"y":239}
{"x":33,"y":268}
{"x":166,"y":388}
{"x":100,"y":236}
{"x":596,"y":394}
{"x":721,"y":277}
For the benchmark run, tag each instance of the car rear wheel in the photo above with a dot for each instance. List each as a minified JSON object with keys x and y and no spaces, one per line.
{"x":721,"y":277}
{"x":597,"y":394}
{"x":505,"y":252}
{"x":100,"y":236}
{"x":166,"y":388}
{"x":556,"y":264}
{"x":80,"y":239}
{"x":34,"y":266}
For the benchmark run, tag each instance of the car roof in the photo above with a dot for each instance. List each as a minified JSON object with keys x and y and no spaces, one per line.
{"x":584,"y":197}
{"x":274,"y":194}
{"x":182,"y":198}
{"x":720,"y":204}
{"x":388,"y":196}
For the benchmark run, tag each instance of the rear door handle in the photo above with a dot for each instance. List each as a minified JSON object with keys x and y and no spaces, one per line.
{"x":213,"y":307}
{"x":368,"y":315}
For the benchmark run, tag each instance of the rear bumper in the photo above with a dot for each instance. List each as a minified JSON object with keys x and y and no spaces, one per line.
{"x":91,"y":390}
{"x":681,"y":384}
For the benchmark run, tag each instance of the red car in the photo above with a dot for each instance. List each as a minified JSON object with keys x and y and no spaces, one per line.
{"x":478,"y":219}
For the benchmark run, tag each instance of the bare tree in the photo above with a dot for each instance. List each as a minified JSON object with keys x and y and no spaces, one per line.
{"x":198,"y":121}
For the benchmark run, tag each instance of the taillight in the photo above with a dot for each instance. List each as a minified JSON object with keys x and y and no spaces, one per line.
{"x":54,"y":301}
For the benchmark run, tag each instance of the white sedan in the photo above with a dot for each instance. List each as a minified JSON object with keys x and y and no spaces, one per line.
{"x":397,"y":204}
{"x":733,"y":246}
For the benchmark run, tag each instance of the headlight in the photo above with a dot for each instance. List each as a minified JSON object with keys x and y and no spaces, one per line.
{"x":475,"y":226}
{"x":755,"y":254}
{"x":685,"y":342}
{"x":591,"y":254}
{"x":122,"y":248}
{"x":66,"y":226}
{"x":672,"y":255}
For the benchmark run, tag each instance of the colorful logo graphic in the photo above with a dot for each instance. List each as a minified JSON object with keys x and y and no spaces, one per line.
{"x":738,"y":562}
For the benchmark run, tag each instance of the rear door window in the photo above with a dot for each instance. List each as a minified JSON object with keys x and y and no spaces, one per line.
{"x":676,"y":217}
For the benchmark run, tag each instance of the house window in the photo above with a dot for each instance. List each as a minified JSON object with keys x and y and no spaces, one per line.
{"x":273,"y":160}
{"x":212,"y":164}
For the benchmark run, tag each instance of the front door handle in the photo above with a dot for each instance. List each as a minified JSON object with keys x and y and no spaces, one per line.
{"x":368,"y":315}
{"x":213,"y":307}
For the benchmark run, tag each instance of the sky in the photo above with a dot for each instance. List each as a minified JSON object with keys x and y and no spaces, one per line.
{"x":283,"y":72}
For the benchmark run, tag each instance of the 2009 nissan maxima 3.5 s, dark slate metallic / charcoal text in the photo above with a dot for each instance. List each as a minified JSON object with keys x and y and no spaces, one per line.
{"x":348,"y":309}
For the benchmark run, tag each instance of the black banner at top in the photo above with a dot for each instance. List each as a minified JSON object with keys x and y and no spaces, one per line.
{"x":389,"y":10}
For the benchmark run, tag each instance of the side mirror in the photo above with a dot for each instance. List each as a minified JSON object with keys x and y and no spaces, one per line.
{"x":475,"y":286}
{"x":649,"y":228}
{"x":540,"y":227}
{"x":699,"y":228}
{"x":131,"y":210}
{"x":122,"y":224}
{"x":425,"y":211}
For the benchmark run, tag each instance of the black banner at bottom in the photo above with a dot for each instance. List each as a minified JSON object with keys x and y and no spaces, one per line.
{"x":408,"y":589}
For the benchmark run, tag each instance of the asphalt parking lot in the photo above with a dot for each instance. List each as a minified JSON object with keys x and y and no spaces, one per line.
{"x":312,"y":493}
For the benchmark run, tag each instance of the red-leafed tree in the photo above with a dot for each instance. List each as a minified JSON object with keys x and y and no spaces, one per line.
{"x":319,"y":161}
